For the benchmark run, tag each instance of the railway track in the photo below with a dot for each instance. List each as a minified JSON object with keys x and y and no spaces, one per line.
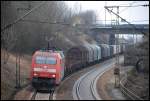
{"x":78,"y":97}
{"x":128,"y":92}
{"x":93,"y":85}
{"x":85,"y":86}
{"x":77,"y":92}
{"x":40,"y":95}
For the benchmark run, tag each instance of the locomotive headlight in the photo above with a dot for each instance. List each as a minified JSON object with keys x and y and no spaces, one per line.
{"x":35,"y":74}
{"x":53,"y":75}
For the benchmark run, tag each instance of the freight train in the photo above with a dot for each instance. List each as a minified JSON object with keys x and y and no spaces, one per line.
{"x":49,"y":67}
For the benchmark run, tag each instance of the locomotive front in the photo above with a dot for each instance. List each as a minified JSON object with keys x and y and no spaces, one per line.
{"x":45,"y":70}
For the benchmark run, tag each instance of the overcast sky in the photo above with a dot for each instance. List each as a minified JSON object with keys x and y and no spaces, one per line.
{"x":136,"y":15}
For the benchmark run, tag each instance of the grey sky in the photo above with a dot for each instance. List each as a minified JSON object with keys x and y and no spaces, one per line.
{"x":131,"y":14}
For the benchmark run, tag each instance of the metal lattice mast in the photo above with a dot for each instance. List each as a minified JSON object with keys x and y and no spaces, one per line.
{"x":118,"y":45}
{"x":115,"y":24}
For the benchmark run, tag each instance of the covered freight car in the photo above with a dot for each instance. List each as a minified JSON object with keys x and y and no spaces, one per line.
{"x":108,"y":50}
{"x":76,"y":58}
{"x":89,"y":54}
{"x":104,"y":51}
{"x":111,"y":50}
{"x":98,"y":52}
{"x":94,"y":52}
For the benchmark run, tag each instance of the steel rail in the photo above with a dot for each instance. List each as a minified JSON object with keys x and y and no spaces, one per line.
{"x":94,"y":82}
{"x":79,"y":83}
{"x":128,"y":92}
{"x":93,"y":90}
{"x":50,"y":94}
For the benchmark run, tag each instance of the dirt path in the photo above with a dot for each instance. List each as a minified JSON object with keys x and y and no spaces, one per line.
{"x":24,"y":94}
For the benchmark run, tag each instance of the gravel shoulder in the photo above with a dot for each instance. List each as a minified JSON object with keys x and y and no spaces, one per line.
{"x":24,"y":94}
{"x":106,"y":89}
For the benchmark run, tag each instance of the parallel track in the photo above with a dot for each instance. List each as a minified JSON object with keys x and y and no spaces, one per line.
{"x":93,"y":85}
{"x":79,"y":83}
{"x":128,"y":92}
{"x":93,"y":91}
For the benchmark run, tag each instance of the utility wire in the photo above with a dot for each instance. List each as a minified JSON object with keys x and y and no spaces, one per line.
{"x":9,"y":25}
{"x":139,"y":20}
{"x":106,"y":7}
{"x":129,"y":3}
{"x":127,"y":8}
{"x":68,"y":24}
{"x":38,"y":21}
{"x":131,"y":21}
{"x":133,"y":6}
{"x":53,"y":23}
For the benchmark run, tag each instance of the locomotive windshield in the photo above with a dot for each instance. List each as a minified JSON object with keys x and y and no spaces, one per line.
{"x":45,"y":60}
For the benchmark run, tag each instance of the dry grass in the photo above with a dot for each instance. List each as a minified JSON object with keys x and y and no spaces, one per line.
{"x":103,"y":83}
{"x":8,"y":79}
{"x":139,"y":82}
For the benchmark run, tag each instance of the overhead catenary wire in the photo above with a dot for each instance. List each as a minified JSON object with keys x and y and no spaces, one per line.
{"x":145,"y":5}
{"x":38,"y":21}
{"x":107,"y":7}
{"x":129,"y":3}
{"x":131,"y":20}
{"x":127,"y":8}
{"x":21,"y":18}
{"x":9,"y":25}
{"x":52,"y":23}
{"x":139,"y":20}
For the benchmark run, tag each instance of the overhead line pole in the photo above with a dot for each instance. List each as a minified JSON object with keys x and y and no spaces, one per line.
{"x":106,"y":7}
{"x":105,"y":14}
{"x":117,"y":67}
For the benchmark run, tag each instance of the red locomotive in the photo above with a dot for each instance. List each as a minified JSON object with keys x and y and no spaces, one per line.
{"x":47,"y":68}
